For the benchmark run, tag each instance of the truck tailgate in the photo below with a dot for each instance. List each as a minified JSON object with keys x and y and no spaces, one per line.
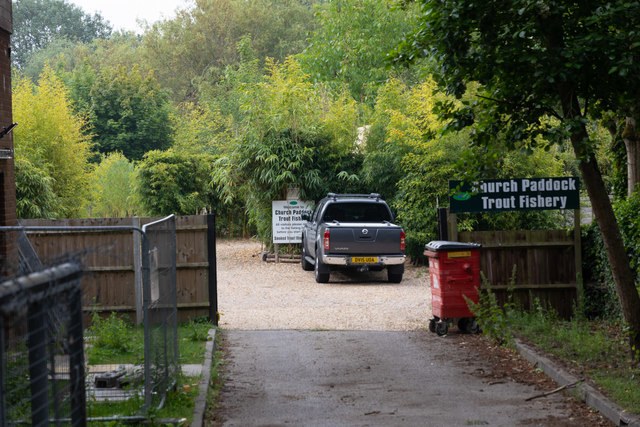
{"x":365,"y":239}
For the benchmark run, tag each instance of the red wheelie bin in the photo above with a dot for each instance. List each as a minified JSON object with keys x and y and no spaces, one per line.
{"x":454,"y":269}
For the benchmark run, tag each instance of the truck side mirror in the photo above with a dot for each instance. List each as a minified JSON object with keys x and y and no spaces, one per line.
{"x":305,"y":216}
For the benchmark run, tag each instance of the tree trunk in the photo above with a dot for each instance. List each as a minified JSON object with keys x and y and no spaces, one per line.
{"x":600,"y":203}
{"x":631,"y":139}
{"x":612,"y":239}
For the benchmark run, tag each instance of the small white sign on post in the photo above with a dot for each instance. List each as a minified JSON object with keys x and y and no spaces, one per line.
{"x":287,"y":220}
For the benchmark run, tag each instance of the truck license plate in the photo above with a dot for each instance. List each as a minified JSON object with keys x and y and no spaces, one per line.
{"x":364,"y":260}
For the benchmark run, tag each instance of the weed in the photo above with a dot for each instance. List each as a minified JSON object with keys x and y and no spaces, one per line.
{"x":198,"y":329}
{"x":492,"y":317}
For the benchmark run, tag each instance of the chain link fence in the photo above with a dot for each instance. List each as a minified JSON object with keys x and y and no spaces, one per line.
{"x":42,"y":362}
{"x":42,"y":366}
{"x":160,"y":310}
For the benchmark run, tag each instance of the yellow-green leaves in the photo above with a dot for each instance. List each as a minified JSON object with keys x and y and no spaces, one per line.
{"x":51,"y":138}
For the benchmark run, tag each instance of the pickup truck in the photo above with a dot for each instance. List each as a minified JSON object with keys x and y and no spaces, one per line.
{"x":352,"y":231}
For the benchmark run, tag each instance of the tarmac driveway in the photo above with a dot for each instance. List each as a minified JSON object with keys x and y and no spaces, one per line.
{"x":357,"y":352}
{"x":368,"y":378}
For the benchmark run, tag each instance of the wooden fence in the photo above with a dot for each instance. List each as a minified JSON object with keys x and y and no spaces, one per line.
{"x":543,"y":264}
{"x":109,"y":283}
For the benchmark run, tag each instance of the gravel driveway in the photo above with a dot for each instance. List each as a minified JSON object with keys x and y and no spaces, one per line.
{"x":253,"y":294}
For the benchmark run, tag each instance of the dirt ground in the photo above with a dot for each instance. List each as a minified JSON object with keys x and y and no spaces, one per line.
{"x":256,"y":295}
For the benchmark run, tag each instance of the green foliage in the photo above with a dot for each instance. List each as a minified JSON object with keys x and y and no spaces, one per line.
{"x":599,"y":349}
{"x":627,"y":214}
{"x":111,"y":337}
{"x":34,"y":191}
{"x":173,"y":182}
{"x":129,"y":112}
{"x":198,"y":329}
{"x":492,"y":316}
{"x":37,"y":23}
{"x":51,"y":148}
{"x":114,"y":183}
{"x":601,"y":297}
{"x":200,"y":130}
{"x":201,"y":42}
{"x":290,"y":134}
{"x":409,"y":160}
{"x":350,"y":46}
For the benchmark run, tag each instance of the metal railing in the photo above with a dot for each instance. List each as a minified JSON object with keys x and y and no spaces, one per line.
{"x":42,"y":362}
{"x":161,"y":364}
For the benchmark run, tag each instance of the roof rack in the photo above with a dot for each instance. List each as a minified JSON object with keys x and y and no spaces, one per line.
{"x":335,"y":196}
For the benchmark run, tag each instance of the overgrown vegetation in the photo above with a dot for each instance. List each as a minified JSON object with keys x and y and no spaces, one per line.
{"x":114,"y":340}
{"x":598,"y":348}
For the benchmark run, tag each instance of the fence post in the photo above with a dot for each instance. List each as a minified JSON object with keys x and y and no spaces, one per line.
{"x":137,"y":270}
{"x":3,"y":391}
{"x":453,"y":227}
{"x":146,"y":286}
{"x":38,"y":365}
{"x":213,"y":269}
{"x":76,"y":361}
{"x":577,"y":238}
{"x":442,"y":224}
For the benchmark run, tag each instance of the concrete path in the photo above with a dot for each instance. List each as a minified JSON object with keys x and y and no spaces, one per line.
{"x":367,"y":378}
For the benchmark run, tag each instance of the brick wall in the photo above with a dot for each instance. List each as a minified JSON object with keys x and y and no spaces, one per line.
{"x":7,"y":175}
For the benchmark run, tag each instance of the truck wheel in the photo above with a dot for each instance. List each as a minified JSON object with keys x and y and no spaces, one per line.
{"x":322,"y":272}
{"x":306,"y":265}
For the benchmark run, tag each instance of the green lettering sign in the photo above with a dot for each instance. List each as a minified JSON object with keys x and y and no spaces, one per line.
{"x":514,"y":194}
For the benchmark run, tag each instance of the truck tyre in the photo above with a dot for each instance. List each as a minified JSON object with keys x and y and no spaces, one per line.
{"x":321,"y":270}
{"x":306,"y":265}
{"x":395,"y":273}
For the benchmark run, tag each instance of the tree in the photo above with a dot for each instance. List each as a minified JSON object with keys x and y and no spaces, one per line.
{"x":34,"y":191}
{"x":64,"y":56}
{"x":631,"y":138}
{"x":564,"y":59}
{"x":128,"y":111}
{"x":200,"y":42}
{"x":52,"y":147}
{"x":288,"y":127}
{"x":173,"y":182}
{"x":351,"y":44}
{"x":114,"y":184}
{"x":39,"y":22}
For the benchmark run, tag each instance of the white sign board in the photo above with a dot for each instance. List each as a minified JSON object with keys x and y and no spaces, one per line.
{"x":287,"y":220}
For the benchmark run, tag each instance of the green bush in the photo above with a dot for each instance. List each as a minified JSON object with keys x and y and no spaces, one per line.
{"x":601,"y":298}
{"x":110,"y":333}
{"x":629,"y":221}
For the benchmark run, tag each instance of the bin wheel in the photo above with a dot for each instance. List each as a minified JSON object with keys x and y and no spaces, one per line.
{"x":432,"y":325}
{"x":473,"y":327}
{"x":468,"y":325}
{"x":442,"y":328}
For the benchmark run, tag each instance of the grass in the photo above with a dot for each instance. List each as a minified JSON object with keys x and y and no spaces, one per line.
{"x":179,"y":405}
{"x":597,"y":348}
{"x":114,"y":340}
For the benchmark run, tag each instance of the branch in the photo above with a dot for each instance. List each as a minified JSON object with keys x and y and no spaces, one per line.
{"x":549,"y":110}
{"x":553,"y":391}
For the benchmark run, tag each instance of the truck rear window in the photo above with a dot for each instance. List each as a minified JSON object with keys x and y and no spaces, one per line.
{"x":356,"y":212}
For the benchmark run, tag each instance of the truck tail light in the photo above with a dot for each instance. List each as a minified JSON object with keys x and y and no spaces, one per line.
{"x":402,"y":242}
{"x":325,"y":241}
